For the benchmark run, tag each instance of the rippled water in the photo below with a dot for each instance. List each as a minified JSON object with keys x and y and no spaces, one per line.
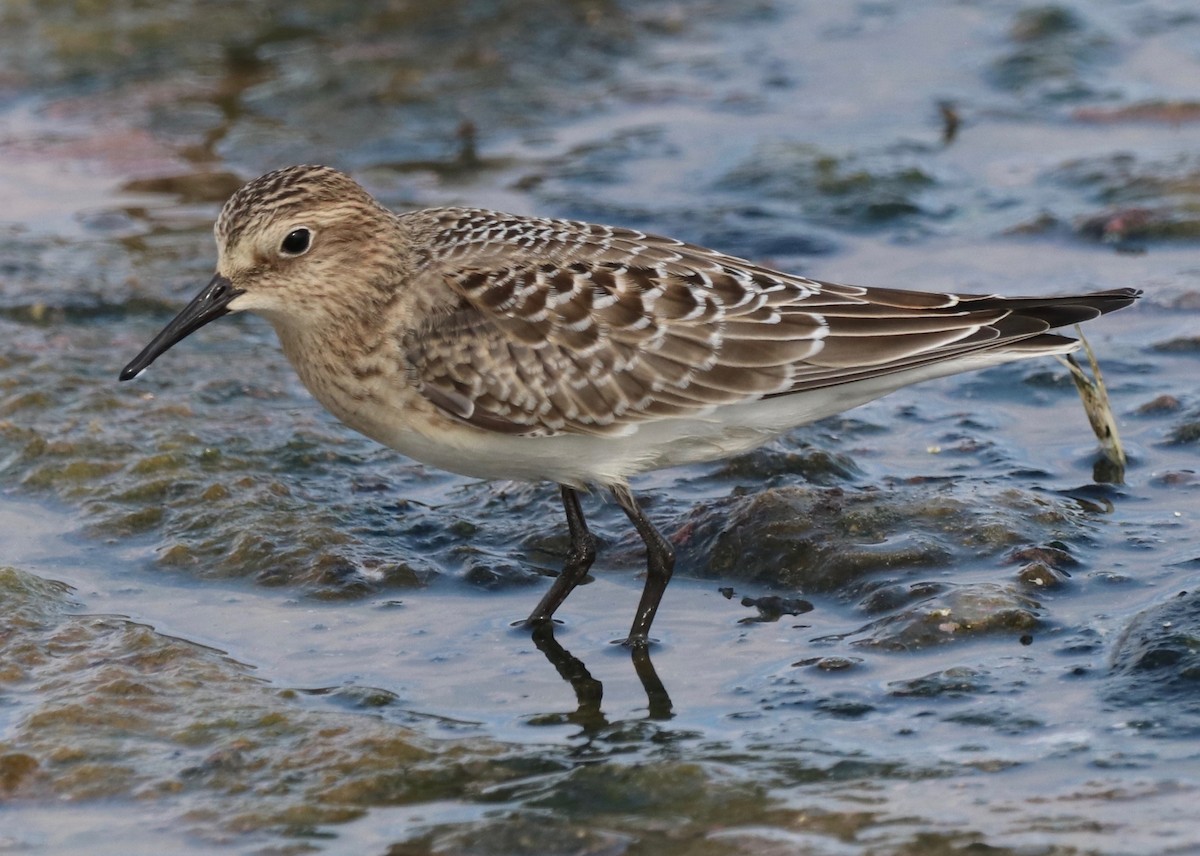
{"x":226,"y":622}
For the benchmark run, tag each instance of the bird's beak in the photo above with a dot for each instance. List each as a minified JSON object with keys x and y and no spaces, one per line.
{"x":209,"y":305}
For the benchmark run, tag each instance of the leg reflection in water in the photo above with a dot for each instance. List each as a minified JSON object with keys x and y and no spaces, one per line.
{"x":589,"y":692}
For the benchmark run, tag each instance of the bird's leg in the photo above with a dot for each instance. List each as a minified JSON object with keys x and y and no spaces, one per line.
{"x":580,"y":555}
{"x":660,"y":562}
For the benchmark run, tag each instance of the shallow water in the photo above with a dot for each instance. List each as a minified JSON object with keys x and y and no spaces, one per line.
{"x":228,"y":623}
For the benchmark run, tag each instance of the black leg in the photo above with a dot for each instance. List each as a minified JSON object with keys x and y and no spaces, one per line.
{"x":580,"y":555}
{"x":660,"y":562}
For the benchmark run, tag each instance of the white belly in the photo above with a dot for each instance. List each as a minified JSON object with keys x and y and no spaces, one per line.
{"x":408,"y":423}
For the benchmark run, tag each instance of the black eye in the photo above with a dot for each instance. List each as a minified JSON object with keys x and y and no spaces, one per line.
{"x":296,"y":242}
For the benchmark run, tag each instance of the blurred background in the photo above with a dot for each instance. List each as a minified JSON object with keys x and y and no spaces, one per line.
{"x":228,"y":623}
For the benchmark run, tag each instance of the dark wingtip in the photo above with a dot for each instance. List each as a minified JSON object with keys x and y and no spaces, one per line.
{"x":1121,"y":296}
{"x":1103,"y":302}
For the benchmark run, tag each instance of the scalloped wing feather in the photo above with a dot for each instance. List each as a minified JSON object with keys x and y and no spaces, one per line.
{"x":556,"y":326}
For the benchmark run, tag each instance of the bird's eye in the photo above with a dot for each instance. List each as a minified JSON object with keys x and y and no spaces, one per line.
{"x":296,"y":243}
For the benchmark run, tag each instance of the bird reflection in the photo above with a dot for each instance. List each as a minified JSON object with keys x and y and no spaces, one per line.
{"x":589,"y":692}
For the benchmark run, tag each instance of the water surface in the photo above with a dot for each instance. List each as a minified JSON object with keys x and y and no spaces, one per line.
{"x":231,"y":624}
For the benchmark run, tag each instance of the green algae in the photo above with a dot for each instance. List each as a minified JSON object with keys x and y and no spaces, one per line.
{"x":849,"y":191}
{"x":123,"y":712}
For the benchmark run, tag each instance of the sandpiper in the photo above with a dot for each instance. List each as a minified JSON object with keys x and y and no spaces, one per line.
{"x":502,"y":346}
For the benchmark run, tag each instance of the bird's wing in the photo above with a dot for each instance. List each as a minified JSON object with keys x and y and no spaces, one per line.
{"x":564,"y":327}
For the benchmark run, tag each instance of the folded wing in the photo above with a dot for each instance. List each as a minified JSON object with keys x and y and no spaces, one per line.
{"x":556,"y":326}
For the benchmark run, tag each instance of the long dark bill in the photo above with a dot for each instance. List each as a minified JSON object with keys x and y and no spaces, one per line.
{"x":209,"y":305}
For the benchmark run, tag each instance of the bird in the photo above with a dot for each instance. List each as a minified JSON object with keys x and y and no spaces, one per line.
{"x":501,"y":346}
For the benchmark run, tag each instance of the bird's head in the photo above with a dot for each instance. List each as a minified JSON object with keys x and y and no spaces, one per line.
{"x":285,"y":242}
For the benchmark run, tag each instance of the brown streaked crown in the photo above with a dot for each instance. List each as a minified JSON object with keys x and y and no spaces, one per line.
{"x":275,"y":194}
